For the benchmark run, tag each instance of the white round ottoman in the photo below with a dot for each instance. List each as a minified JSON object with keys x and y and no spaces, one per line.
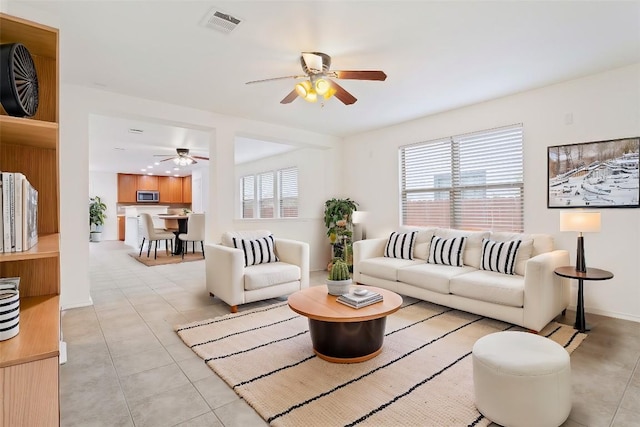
{"x":521,"y":379}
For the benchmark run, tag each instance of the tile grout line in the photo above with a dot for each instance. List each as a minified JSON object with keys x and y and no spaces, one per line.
{"x":633,"y":371}
{"x":111,"y":359}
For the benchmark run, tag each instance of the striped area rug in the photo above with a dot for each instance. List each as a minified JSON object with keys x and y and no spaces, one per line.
{"x":423,"y":377}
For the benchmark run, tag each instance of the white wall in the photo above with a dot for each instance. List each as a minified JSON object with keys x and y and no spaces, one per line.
{"x":105,"y":185}
{"x":77,"y":104}
{"x":200,"y":190}
{"x":603,"y":106}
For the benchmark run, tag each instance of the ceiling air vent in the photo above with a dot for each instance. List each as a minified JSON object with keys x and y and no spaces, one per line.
{"x":221,"y":21}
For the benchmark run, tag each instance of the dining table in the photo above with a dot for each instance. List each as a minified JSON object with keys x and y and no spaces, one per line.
{"x":182,"y":228}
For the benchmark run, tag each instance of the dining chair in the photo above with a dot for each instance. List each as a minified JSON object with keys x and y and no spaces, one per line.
{"x":195,"y":233}
{"x":152,"y":234}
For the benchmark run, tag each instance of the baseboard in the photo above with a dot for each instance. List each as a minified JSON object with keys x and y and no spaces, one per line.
{"x":79,"y":304}
{"x":63,"y":353}
{"x":615,"y":315}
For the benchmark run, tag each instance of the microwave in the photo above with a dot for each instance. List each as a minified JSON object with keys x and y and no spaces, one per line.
{"x":147,"y":196}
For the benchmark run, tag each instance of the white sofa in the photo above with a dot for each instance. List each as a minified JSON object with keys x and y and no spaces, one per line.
{"x":229,"y":279}
{"x":530,"y":298}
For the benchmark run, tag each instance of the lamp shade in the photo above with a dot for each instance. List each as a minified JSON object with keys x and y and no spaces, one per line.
{"x":582,"y":221}
{"x":359,"y":217}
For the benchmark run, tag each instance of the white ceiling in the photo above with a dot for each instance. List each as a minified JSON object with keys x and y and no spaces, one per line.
{"x":437,"y":55}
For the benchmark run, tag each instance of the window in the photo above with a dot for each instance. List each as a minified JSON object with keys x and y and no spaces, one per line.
{"x":288,"y":190}
{"x":248,"y":196}
{"x":271,"y":194}
{"x":472,"y":181}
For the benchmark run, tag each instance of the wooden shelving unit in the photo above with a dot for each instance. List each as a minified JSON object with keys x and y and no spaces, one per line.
{"x":29,"y":369}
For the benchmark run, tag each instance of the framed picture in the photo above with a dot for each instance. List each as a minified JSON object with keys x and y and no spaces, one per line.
{"x":602,"y":174}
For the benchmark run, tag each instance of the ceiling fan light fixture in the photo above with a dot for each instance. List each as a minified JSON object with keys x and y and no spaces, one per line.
{"x":303,"y":88}
{"x":330,"y":92}
{"x":322,"y":86}
{"x":182,"y":161}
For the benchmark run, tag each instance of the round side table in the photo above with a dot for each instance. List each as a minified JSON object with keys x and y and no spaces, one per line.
{"x":570,"y":272}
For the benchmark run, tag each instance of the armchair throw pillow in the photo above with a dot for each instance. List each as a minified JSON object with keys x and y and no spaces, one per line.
{"x":258,"y":251}
{"x":400,"y":245}
{"x":446,"y":251}
{"x":499,"y":256}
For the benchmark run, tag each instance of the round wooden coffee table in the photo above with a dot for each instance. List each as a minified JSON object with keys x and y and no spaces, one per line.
{"x":342,"y":334}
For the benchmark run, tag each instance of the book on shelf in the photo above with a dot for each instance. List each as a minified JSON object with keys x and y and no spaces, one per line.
{"x":358,"y":301}
{"x":6,"y":210}
{"x":1,"y":217}
{"x":29,"y":215}
{"x":18,"y":180}
{"x":18,"y":212}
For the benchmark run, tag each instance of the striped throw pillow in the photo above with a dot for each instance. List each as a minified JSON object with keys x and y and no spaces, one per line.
{"x":400,"y":245}
{"x":499,"y":256}
{"x":259,"y":251}
{"x":446,"y":251}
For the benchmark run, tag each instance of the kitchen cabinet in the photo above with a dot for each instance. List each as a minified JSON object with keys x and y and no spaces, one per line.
{"x":186,"y":189}
{"x":170,"y":188}
{"x":147,"y":182}
{"x":127,"y":187}
{"x":121,"y":222}
{"x":29,"y":365}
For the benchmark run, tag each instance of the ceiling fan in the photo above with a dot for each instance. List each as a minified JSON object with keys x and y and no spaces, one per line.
{"x":317,"y":71}
{"x":182,"y":158}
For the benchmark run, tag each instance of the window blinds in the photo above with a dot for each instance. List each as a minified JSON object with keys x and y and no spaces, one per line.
{"x":266,"y":200}
{"x":472,"y":181}
{"x":288,"y":191}
{"x":272,"y":194}
{"x":248,"y":196}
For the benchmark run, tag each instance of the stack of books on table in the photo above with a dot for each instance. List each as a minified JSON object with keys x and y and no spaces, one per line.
{"x":359,"y":301}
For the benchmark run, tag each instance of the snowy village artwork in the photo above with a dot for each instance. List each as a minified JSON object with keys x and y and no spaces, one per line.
{"x":594,"y":174}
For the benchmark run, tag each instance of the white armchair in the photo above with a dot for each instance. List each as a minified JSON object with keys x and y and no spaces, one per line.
{"x":235,"y":283}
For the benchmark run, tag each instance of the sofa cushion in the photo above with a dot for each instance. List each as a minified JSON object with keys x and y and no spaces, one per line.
{"x":490,"y":286}
{"x":431,"y":276}
{"x":258,"y":251}
{"x":274,"y":273}
{"x":499,"y":256}
{"x":538,"y":243}
{"x":227,"y":237}
{"x":446,"y":251}
{"x":384,"y":268}
{"x":473,"y":246}
{"x":400,"y":245}
{"x":423,"y":240}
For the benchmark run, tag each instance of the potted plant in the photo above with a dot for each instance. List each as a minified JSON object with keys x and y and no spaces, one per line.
{"x":339,"y":280}
{"x":96,"y":218}
{"x":337,"y":218}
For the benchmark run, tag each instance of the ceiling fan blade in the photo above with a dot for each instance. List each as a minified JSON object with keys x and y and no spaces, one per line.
{"x":342,"y":94}
{"x":200,"y":157}
{"x":361,"y":75}
{"x":274,"y":78}
{"x":290,"y":97}
{"x":170,"y":158}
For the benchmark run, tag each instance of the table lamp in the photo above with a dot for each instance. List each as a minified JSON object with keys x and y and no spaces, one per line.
{"x":359,"y":217}
{"x":582,"y":222}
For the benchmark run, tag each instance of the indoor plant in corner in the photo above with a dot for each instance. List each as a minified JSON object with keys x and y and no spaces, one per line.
{"x":339,"y":280}
{"x":96,"y":218}
{"x":337,"y":218}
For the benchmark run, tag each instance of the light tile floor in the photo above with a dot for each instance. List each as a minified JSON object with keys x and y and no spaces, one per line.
{"x":127,"y":367}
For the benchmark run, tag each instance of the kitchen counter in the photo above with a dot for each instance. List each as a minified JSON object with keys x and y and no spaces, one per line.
{"x":132,"y":233}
